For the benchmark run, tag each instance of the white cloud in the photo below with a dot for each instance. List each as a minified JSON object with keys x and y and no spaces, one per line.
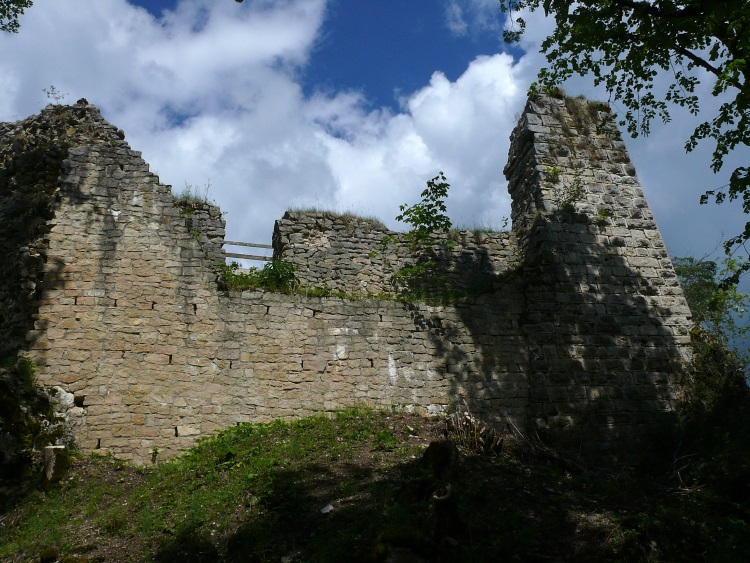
{"x":465,"y":17}
{"x":454,"y":19}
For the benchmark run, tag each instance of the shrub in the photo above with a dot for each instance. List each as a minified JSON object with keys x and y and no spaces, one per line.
{"x":427,"y":218}
{"x":275,"y":275}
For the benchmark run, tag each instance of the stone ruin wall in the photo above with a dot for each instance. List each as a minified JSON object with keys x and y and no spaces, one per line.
{"x":607,"y":322}
{"x":579,"y":330}
{"x":344,"y":252}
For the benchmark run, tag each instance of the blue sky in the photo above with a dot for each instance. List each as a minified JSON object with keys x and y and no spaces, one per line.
{"x":387,"y":48}
{"x":348,"y":105}
{"x":390,"y":48}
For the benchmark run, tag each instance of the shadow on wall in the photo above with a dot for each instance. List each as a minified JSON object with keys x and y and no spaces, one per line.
{"x":28,"y":181}
{"x":575,"y":345}
{"x":33,"y":153}
{"x":27,"y":194}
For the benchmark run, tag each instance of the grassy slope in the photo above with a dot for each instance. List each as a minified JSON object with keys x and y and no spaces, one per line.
{"x":255,"y":493}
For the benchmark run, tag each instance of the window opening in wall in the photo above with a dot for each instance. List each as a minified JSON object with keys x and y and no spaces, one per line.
{"x":176,"y":434}
{"x":372,"y":363}
{"x":195,"y":309}
{"x":115,"y":303}
{"x":381,"y":318}
{"x":98,"y":443}
{"x":78,"y":400}
{"x":75,"y":300}
{"x":267,"y":309}
{"x":170,"y":359}
{"x":230,"y":364}
{"x":153,"y":305}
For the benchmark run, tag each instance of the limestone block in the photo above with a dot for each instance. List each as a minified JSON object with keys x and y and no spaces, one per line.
{"x":56,"y":463}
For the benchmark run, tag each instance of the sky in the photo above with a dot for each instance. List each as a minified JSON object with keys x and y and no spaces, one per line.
{"x":345,"y":105}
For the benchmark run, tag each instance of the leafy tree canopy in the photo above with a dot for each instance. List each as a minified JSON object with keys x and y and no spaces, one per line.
{"x":718,"y":308}
{"x":626,"y":44}
{"x":10,"y":10}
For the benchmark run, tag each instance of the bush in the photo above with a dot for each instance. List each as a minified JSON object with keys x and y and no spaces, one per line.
{"x":276,"y":275}
{"x":714,"y":448}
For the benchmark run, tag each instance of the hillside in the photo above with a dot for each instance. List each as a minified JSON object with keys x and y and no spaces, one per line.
{"x":357,"y":486}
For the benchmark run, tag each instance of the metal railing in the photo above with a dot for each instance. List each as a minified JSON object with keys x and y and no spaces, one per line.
{"x":247,"y":256}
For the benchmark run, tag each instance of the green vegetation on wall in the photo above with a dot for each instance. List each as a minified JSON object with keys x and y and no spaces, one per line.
{"x":428,"y":220}
{"x":276,"y":275}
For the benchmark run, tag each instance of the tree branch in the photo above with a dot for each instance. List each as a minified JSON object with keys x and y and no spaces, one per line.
{"x":641,"y":7}
{"x":705,"y":64}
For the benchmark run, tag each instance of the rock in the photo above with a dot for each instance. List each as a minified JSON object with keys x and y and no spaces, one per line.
{"x":62,"y":399}
{"x":56,"y":463}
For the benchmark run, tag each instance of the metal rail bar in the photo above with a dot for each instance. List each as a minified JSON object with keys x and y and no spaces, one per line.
{"x":247,"y":256}
{"x":252,"y":244}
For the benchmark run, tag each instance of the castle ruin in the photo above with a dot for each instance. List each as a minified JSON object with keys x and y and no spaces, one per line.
{"x":572,"y":325}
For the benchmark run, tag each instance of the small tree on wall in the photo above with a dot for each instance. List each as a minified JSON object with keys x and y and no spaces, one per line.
{"x":428,"y":218}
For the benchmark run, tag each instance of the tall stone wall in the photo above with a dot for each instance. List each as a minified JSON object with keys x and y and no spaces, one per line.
{"x":133,"y":327}
{"x":606,"y":321}
{"x":576,"y":326}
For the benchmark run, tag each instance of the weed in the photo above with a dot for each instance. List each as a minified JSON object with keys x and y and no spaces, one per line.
{"x":193,"y":195}
{"x":565,"y":197}
{"x":25,"y":369}
{"x":54,"y":94}
{"x":114,"y":523}
{"x":385,"y":441}
{"x":552,"y":174}
{"x":255,"y":493}
{"x":553,"y":92}
{"x":427,"y":219}
{"x":470,"y":432}
{"x":602,"y":217}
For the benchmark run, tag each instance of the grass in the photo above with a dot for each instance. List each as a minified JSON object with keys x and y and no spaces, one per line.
{"x":193,"y":195}
{"x":483,"y":227}
{"x":345,"y":214}
{"x":278,"y":276}
{"x":256,"y":492}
